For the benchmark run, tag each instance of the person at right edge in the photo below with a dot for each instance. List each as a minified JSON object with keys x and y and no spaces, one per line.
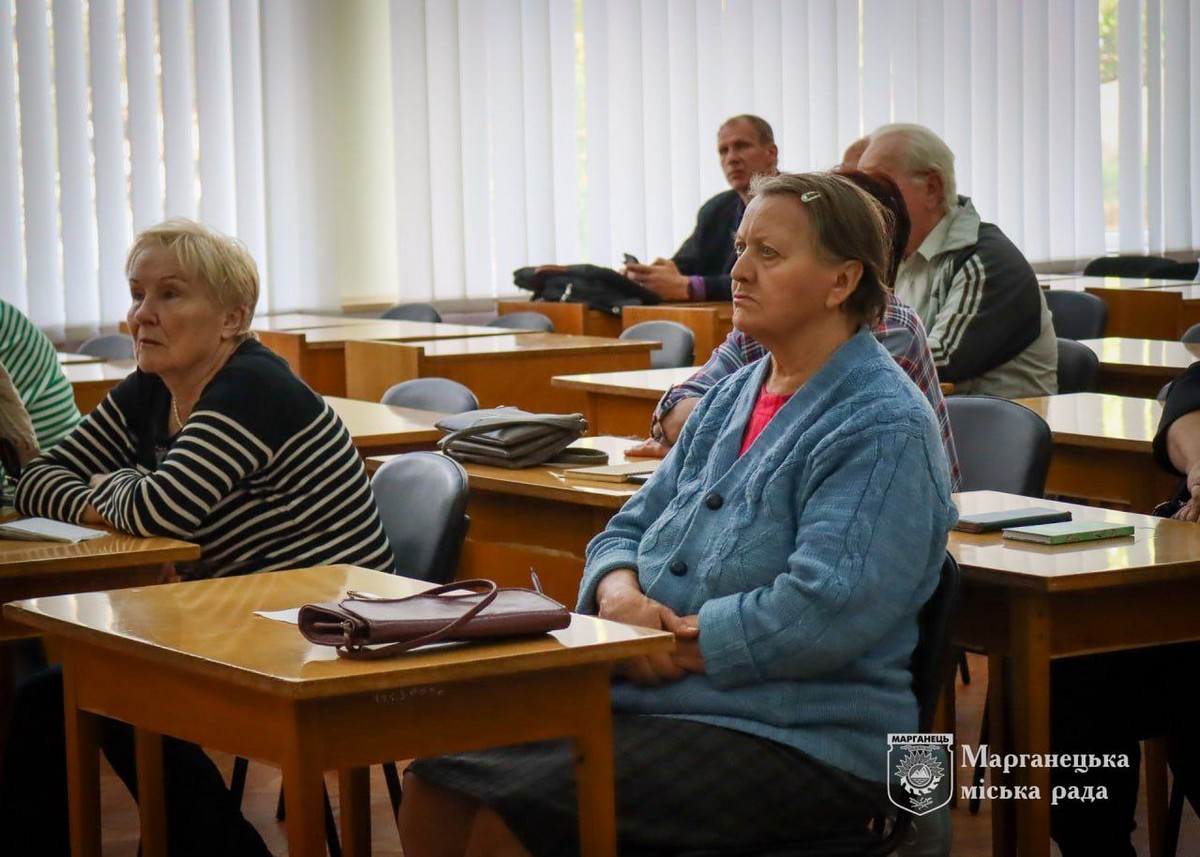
{"x":1104,"y":704}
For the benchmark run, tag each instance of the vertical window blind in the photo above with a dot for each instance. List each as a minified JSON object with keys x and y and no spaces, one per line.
{"x":530,"y":131}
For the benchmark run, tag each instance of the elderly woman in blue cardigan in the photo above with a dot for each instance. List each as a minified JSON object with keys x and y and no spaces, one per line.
{"x":789,"y":540}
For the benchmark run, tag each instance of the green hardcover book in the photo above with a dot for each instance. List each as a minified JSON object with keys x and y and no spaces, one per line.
{"x":1068,"y":531}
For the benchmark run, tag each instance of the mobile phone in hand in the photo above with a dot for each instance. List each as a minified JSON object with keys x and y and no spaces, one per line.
{"x":631,"y":259}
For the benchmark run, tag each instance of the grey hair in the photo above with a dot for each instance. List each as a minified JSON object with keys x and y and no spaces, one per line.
{"x":924,"y":152}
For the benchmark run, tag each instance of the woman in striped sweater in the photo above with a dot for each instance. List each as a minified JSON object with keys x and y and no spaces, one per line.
{"x":213,"y":440}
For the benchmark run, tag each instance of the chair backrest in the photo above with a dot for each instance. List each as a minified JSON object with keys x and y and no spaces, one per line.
{"x":412,"y":312}
{"x":1192,"y":334}
{"x":1002,"y":446}
{"x":678,"y":342}
{"x":422,"y":500}
{"x":1164,"y":391}
{"x":523,"y":321}
{"x":1077,"y":315}
{"x":110,"y":346}
{"x":432,"y":394}
{"x":1078,"y":367}
{"x":1131,"y":266}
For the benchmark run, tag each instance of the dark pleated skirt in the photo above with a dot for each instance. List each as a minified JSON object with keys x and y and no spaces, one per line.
{"x":680,"y":785}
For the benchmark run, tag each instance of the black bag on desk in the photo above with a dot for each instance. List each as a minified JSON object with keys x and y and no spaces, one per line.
{"x":512,"y":438}
{"x":600,"y":288}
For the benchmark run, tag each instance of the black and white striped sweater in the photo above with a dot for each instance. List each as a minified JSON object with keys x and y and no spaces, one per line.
{"x":263,"y":476}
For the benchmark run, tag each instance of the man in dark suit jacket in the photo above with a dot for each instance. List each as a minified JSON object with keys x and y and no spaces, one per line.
{"x":700,"y":270}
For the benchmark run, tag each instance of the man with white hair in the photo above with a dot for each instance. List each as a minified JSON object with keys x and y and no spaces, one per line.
{"x":987,"y":322}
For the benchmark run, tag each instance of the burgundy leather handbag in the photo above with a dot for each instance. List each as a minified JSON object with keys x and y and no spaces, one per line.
{"x":465,"y":610}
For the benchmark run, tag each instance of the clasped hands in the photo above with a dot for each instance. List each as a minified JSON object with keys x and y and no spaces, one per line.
{"x":620,"y":598}
{"x":1190,"y":511}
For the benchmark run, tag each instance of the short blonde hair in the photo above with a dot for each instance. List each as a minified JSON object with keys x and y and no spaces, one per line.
{"x":847,"y":224}
{"x":220,"y":263}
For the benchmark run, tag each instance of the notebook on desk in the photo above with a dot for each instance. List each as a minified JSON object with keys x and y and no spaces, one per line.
{"x":631,"y":471}
{"x":46,"y":530}
{"x":1068,"y":532}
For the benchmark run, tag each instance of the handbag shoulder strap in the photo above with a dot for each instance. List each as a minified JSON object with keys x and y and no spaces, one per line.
{"x":476,"y":585}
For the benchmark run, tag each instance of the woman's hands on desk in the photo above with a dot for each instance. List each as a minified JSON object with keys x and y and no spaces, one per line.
{"x":620,"y":598}
{"x":1190,"y":511}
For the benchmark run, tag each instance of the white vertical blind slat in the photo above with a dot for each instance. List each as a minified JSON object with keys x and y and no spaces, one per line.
{"x":1176,"y":164}
{"x":410,"y":121}
{"x":145,"y":147}
{"x":595,"y":35}
{"x":848,"y":108}
{"x":1060,"y":125}
{"x":249,"y":167}
{"x":710,"y":109}
{"x":931,"y":50}
{"x":686,"y":145}
{"x":112,"y":187}
{"x":565,"y":141}
{"x":737,"y":45}
{"x":43,"y":274}
{"x":792,"y":128}
{"x":905,"y":86}
{"x":214,"y":115}
{"x":624,"y":122}
{"x":960,"y":83}
{"x":1034,"y":191}
{"x":81,"y":296}
{"x":477,"y":187}
{"x":1129,"y":75}
{"x":506,"y":112}
{"x":824,"y":81}
{"x":178,"y":99}
{"x":1089,"y":203}
{"x":12,"y":251}
{"x":877,"y":69}
{"x":1194,"y":127}
{"x":537,"y":141}
{"x":656,"y":238}
{"x":1154,"y":127}
{"x":1009,"y":119}
{"x":985,"y":184}
{"x":767,"y":50}
{"x":445,"y":129}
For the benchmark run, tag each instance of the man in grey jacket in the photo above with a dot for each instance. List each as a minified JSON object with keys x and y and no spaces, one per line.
{"x":987,"y":322}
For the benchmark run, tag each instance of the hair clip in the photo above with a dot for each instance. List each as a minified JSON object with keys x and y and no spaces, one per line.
{"x":810,"y":195}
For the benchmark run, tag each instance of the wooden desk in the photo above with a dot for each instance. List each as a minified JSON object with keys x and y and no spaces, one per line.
{"x":1150,"y":309}
{"x":306,"y":321}
{"x":573,"y":318}
{"x":709,"y":321}
{"x":1140,"y":367}
{"x":1102,"y":449}
{"x":29,"y":569}
{"x":258,"y":689}
{"x":500,"y":370}
{"x":318,"y":354}
{"x":92,"y":381}
{"x":536,"y":518}
{"x":378,"y":429}
{"x":1189,"y":295}
{"x":621,"y":403}
{"x":1032,"y":603}
{"x":73,"y":358}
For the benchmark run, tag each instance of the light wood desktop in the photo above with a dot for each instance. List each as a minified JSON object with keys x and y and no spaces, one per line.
{"x":537,"y":518}
{"x":377,"y":429}
{"x":1151,"y":309}
{"x":29,"y":569}
{"x":1032,"y":603}
{"x":1140,"y":367}
{"x":92,"y":381}
{"x":73,"y":358}
{"x":500,"y":370}
{"x":568,"y":317}
{"x":306,"y":321}
{"x":620,"y":403}
{"x":1103,"y":451}
{"x":317,"y":354}
{"x":192,"y":660}
{"x":709,"y":321}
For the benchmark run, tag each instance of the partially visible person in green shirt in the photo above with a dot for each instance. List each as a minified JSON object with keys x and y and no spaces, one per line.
{"x":29,"y":358}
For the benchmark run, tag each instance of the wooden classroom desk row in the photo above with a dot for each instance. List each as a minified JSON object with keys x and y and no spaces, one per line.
{"x":709,"y":321}
{"x":258,"y":689}
{"x":148,"y":656}
{"x":1140,"y":367}
{"x":1150,"y":309}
